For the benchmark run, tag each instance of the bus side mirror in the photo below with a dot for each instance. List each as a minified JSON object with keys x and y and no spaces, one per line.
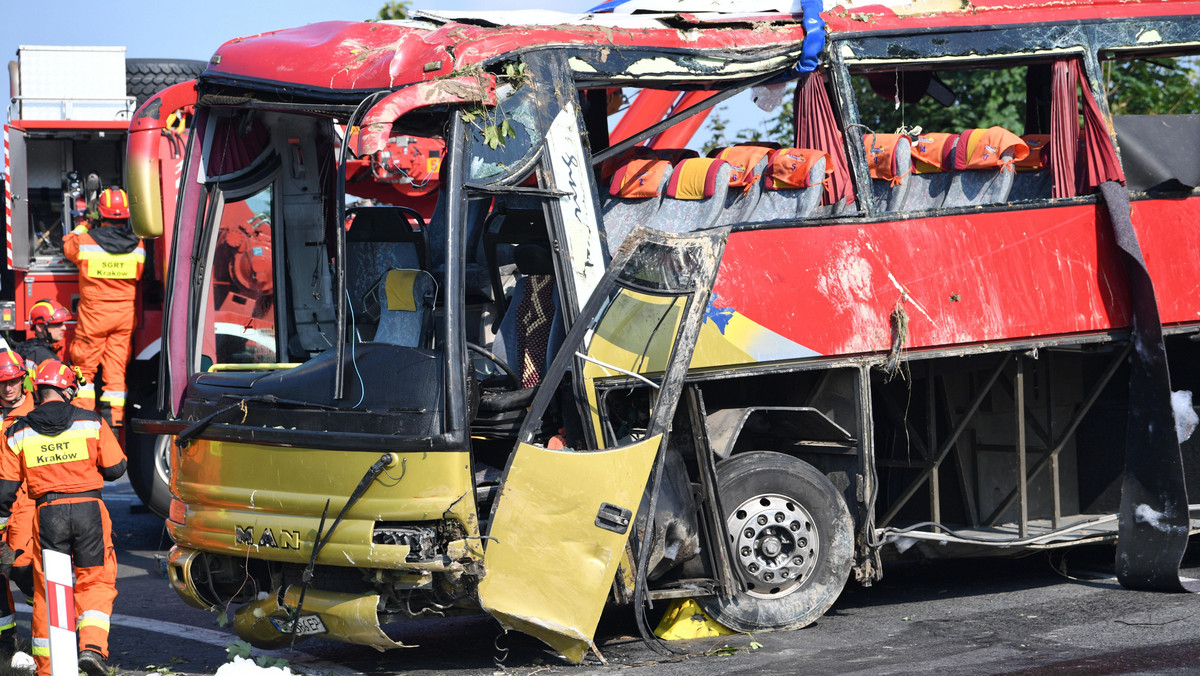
{"x":157,"y":128}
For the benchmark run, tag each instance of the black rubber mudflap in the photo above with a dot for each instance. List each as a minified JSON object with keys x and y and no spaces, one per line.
{"x":1154,"y":519}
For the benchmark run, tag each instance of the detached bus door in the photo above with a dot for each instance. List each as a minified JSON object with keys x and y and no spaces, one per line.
{"x":559,"y":528}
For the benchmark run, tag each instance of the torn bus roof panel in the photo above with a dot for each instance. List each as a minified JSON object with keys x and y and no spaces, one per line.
{"x":878,"y":17}
{"x":338,"y":55}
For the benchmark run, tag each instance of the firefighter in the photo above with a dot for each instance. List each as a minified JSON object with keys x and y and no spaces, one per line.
{"x":49,"y":321}
{"x":14,"y":402}
{"x":110,"y":260}
{"x":63,"y":455}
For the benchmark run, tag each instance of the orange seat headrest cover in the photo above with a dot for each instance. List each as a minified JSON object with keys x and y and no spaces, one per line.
{"x":881,"y":155}
{"x":609,"y":167}
{"x":934,"y":152}
{"x":638,"y":179}
{"x":743,"y":159}
{"x":1039,"y":152}
{"x":984,"y":148}
{"x":789,"y":168}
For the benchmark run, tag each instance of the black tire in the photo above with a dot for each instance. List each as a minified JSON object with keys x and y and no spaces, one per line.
{"x":146,"y":77}
{"x":149,"y":473}
{"x":797,"y":562}
{"x":150,"y":483}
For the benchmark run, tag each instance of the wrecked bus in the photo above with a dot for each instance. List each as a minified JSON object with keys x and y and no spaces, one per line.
{"x":582,"y":367}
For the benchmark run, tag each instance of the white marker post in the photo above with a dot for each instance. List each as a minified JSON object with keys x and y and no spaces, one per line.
{"x":60,"y":605}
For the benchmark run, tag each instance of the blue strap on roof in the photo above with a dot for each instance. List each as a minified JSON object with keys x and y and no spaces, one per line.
{"x":814,"y":36}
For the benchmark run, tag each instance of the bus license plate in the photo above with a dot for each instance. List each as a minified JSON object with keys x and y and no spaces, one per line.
{"x":307,"y":625}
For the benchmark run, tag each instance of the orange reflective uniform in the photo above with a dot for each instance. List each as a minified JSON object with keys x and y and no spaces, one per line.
{"x":19,"y":533}
{"x":64,"y":455}
{"x":109,"y":269}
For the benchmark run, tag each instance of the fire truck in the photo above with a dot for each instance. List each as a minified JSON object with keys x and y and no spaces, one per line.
{"x":598,"y":369}
{"x":65,"y":140}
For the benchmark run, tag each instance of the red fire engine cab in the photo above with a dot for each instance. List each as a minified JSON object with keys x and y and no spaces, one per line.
{"x":64,"y":142}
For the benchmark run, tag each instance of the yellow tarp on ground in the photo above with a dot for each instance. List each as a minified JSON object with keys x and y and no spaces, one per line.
{"x":685,"y":619}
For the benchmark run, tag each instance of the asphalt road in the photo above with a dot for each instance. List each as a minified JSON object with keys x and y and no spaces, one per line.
{"x":1042,"y":614}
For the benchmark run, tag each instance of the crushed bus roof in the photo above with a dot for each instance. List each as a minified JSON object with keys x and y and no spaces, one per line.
{"x":340,"y":56}
{"x":382,"y":55}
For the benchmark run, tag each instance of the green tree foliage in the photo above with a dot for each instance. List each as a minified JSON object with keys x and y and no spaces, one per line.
{"x":717,"y":126}
{"x":983,"y":98}
{"x":394,"y":11}
{"x":1153,"y":86}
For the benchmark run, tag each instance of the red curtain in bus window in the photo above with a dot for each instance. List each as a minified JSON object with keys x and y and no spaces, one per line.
{"x":1064,"y":129}
{"x":817,"y":129}
{"x":235,"y":145}
{"x":1099,"y":157}
{"x":1078,"y":170}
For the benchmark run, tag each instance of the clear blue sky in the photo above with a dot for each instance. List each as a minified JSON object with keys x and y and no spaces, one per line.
{"x":186,"y":29}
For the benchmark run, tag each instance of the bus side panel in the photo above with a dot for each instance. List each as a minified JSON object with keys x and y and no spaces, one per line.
{"x":1168,"y":232}
{"x":788,"y":293}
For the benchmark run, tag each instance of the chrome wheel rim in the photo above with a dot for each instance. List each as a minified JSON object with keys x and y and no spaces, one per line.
{"x":775,"y":543}
{"x":162,"y":458}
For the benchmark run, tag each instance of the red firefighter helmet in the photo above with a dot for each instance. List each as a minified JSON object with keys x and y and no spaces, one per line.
{"x":56,"y":374}
{"x":11,"y":366}
{"x":113,"y":203}
{"x":48,"y":311}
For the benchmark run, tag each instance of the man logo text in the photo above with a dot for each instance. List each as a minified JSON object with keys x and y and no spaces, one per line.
{"x":288,"y":539}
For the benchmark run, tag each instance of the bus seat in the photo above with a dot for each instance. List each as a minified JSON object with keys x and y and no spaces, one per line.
{"x":674,"y":155}
{"x":532,"y":328}
{"x":381,"y":238}
{"x":793,"y":184}
{"x":1031,"y":185}
{"x":606,"y":169}
{"x":695,"y":195}
{"x":404,"y":299}
{"x":889,"y":157}
{"x":633,"y":197}
{"x":1034,"y":179}
{"x":932,"y":164}
{"x":749,"y":163}
{"x":476,"y":272}
{"x":927,"y":191}
{"x":975,"y":187}
{"x":984,"y":160}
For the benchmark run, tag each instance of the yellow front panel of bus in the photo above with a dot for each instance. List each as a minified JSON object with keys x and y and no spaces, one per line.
{"x":269,"y":499}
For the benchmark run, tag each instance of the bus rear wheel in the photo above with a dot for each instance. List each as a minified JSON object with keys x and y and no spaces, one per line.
{"x":791,"y":540}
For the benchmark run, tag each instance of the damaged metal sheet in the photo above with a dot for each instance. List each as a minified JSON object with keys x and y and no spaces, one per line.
{"x":932,"y":42}
{"x":1155,"y":520}
{"x":1049,"y":38}
{"x":643,"y":66}
{"x":559,"y":528}
{"x":549,"y":561}
{"x":352,"y":618}
{"x":311,"y":61}
{"x":377,"y":123}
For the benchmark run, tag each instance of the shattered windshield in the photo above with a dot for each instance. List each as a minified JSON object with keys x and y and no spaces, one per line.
{"x":503,"y":141}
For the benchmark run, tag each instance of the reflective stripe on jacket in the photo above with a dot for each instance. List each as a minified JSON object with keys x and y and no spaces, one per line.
{"x":75,"y":459}
{"x":104,"y":276}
